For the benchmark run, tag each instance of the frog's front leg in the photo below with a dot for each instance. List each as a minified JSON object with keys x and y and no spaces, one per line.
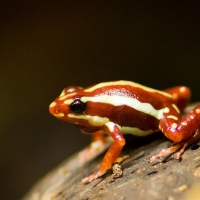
{"x":100,"y":142}
{"x":113,"y":152}
{"x":183,"y":131}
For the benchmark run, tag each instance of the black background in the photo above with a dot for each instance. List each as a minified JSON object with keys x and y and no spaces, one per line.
{"x":46,"y":46}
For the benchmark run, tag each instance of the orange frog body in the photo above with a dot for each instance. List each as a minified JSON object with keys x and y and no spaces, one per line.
{"x":120,"y":107}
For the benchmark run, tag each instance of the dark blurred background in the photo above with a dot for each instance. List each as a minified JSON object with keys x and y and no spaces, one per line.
{"x":48,"y":45}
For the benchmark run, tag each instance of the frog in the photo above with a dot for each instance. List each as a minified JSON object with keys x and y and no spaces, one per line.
{"x":115,"y":108}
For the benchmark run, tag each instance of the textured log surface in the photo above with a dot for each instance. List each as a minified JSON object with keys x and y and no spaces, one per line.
{"x":168,"y":178}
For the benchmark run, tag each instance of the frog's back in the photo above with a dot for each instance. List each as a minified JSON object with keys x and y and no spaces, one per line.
{"x":127,"y":104}
{"x":127,"y":91}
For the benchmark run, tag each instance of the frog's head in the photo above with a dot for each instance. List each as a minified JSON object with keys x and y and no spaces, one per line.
{"x":75,"y":105}
{"x":68,"y":103}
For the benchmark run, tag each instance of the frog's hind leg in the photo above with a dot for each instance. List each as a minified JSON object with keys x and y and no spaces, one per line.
{"x":181,"y":146}
{"x":181,"y":96}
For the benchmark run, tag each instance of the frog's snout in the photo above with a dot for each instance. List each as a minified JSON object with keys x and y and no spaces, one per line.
{"x":53,"y":109}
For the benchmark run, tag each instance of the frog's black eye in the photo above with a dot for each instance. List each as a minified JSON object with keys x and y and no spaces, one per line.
{"x":78,"y":106}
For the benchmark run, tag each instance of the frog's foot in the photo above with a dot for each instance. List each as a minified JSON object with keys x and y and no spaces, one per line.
{"x":165,"y":152}
{"x":181,"y":146}
{"x":92,"y":177}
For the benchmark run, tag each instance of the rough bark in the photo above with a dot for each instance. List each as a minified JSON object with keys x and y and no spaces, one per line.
{"x":164,"y":179}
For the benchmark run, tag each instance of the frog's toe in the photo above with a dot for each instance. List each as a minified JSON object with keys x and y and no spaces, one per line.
{"x":165,"y":152}
{"x":90,"y":178}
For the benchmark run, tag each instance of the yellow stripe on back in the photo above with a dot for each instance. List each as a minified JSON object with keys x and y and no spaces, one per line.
{"x":100,"y":85}
{"x":131,"y":102}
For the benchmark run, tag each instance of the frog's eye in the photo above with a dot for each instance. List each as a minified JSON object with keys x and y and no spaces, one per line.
{"x":78,"y":106}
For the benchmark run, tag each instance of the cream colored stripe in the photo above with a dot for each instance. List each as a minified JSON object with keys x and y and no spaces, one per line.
{"x":59,"y":115}
{"x":52,"y":104}
{"x":93,"y":120}
{"x":131,"y":102}
{"x":100,"y":121}
{"x":68,"y":101}
{"x":66,"y":96}
{"x":136,"y":131}
{"x":130,"y":130}
{"x":172,"y":117}
{"x":126,"y":83}
{"x":176,"y":108}
{"x":111,"y":126}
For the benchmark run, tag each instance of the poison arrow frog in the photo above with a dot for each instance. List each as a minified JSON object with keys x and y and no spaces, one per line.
{"x":119,"y":107}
